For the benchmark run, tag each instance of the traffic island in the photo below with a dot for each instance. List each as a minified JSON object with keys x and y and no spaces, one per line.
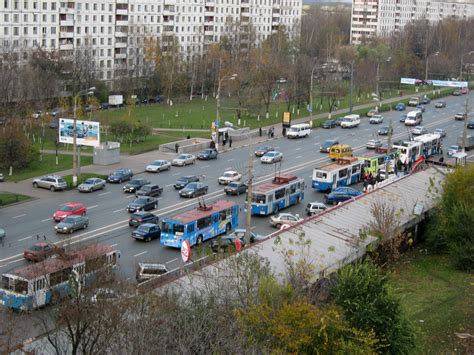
{"x":8,"y":198}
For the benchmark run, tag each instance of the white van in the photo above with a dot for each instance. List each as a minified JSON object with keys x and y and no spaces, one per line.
{"x":299,"y":130}
{"x":414,"y":101}
{"x":350,"y":121}
{"x":414,"y":118}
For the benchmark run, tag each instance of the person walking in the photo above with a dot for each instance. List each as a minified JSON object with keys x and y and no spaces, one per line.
{"x":176,"y":147}
{"x":230,"y":142}
{"x":260,"y":131}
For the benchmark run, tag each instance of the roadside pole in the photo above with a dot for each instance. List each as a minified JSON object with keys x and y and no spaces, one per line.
{"x":464,"y":131}
{"x":249,"y":198}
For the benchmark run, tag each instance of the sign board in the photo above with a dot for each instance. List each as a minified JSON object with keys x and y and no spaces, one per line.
{"x":410,"y":81}
{"x":449,"y":83}
{"x":286,"y":119}
{"x":87,"y":132}
{"x":186,"y":251}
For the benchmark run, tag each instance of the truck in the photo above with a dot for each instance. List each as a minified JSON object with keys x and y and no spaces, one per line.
{"x":116,"y":100}
{"x":414,"y":101}
{"x":469,"y":142}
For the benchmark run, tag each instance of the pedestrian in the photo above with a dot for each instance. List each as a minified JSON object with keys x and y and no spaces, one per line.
{"x":212,"y":145}
{"x":260,"y":131}
{"x":269,"y":132}
{"x":283,"y":132}
{"x":230,"y":142}
{"x":176,"y":147}
{"x":273,"y":132}
{"x":224,"y":141}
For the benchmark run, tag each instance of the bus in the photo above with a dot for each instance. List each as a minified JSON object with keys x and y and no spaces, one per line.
{"x":347,"y":171}
{"x":283,"y":191}
{"x":410,"y":151}
{"x":431,"y":144}
{"x":39,"y":284}
{"x":199,"y":224}
{"x":375,"y":160}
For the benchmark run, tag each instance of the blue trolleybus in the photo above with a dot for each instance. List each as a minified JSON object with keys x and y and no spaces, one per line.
{"x":36,"y":285}
{"x":347,"y":171}
{"x":283,"y":191}
{"x":200,"y":224}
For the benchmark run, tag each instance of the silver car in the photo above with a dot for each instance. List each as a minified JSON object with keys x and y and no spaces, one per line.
{"x":91,"y":184}
{"x":284,"y":219}
{"x":71,"y":224}
{"x":419,"y":130}
{"x":50,"y":182}
{"x":183,"y":160}
{"x":374,"y":144}
{"x":271,"y":157}
{"x":376,"y":119}
{"x":158,"y":165}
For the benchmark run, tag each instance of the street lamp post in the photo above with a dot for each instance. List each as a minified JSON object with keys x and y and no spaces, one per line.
{"x":218,"y":104}
{"x":426,"y":64}
{"x":462,"y":63}
{"x":311,"y":89}
{"x":351,"y":87}
{"x":248,"y":215}
{"x":377,"y":89}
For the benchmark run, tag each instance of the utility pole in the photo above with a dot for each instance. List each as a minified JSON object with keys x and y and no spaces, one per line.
{"x":248,"y":216}
{"x":377,"y":84}
{"x":389,"y":149}
{"x":464,"y":131}
{"x":351,"y":87}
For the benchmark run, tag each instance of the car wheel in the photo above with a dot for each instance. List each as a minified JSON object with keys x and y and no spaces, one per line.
{"x":52,"y":188}
{"x":199,"y":240}
{"x":35,"y":185}
{"x":85,"y":226}
{"x":83,"y":214}
{"x":278,"y":225}
{"x":238,"y":193}
{"x":147,"y":239}
{"x":155,"y":206}
{"x":70,"y":231}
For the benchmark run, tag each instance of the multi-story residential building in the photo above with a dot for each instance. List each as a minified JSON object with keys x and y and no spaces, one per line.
{"x":114,"y":31}
{"x":384,"y":17}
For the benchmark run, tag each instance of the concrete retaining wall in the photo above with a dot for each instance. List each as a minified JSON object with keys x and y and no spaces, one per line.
{"x":186,"y":145}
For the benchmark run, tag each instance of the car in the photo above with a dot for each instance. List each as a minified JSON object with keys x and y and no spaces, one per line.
{"x":2,"y":178}
{"x":71,"y":224}
{"x":183,"y":160}
{"x":70,"y":209}
{"x":120,"y":175}
{"x":453,"y":149}
{"x":326,"y":146}
{"x":227,"y":242}
{"x":383,"y":131}
{"x":207,"y":154}
{"x":329,"y":124}
{"x":440,"y":104}
{"x":460,"y":116}
{"x":271,"y":157}
{"x":375,"y":119}
{"x":37,"y":114}
{"x":372,"y":112}
{"x":440,"y":131}
{"x":91,"y":184}
{"x":425,"y":100}
{"x":261,"y":151}
{"x":194,"y":189}
{"x":104,"y":106}
{"x":149,"y":190}
{"x":39,"y":251}
{"x":50,"y":182}
{"x":235,"y":188}
{"x":456,"y":93}
{"x":135,"y":185}
{"x":403,"y":117}
{"x":144,"y":203}
{"x":421,"y":108}
{"x":54,"y":124}
{"x":184,"y":180}
{"x":228,"y":177}
{"x":147,"y":232}
{"x":89,"y":108}
{"x":335,"y":197}
{"x":464,"y":90}
{"x":55,"y":112}
{"x":470,"y":124}
{"x":373,"y":144}
{"x":158,"y":166}
{"x":313,"y":208}
{"x":138,"y":218}
{"x":419,"y":130}
{"x":339,"y":121}
{"x":3,"y":235}
{"x":284,"y":219}
{"x":400,"y":107}
{"x":348,"y":190}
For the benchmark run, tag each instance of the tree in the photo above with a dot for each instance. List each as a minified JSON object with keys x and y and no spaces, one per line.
{"x":361,"y":291}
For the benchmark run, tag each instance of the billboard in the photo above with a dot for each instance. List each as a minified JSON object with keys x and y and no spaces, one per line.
{"x":450,"y":83}
{"x":409,"y":81}
{"x":286,"y":122}
{"x":88,"y":132}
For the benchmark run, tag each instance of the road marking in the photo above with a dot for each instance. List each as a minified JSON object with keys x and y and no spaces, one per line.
{"x":277,"y":147}
{"x":230,"y":168}
{"x":317,"y":143}
{"x":170,"y":261}
{"x":205,"y":166}
{"x":299,"y":156}
{"x":298,"y":148}
{"x":176,"y":174}
{"x":143,"y":252}
{"x":114,"y":245}
{"x":91,"y":207}
{"x":130,"y":196}
{"x":47,"y":219}
{"x":20,"y":215}
{"x":118,"y":210}
{"x":104,"y":193}
{"x":169,"y":185}
{"x":230,"y":159}
{"x":22,"y":239}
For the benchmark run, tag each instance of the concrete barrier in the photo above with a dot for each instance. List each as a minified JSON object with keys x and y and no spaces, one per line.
{"x":186,"y":145}
{"x":245,"y":133}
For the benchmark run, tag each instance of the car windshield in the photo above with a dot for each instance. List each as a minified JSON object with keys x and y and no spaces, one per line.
{"x":89,"y":182}
{"x":67,"y":209}
{"x":135,"y":182}
{"x":140,"y":201}
{"x":229,"y":174}
{"x":146,"y":188}
{"x":36,"y":248}
{"x":182,"y":156}
{"x":143,"y":228}
{"x":157,"y":163}
{"x":258,"y":198}
{"x":264,"y":148}
{"x":454,"y":147}
{"x":191,"y":185}
{"x":271,"y":154}
{"x":328,"y":143}
{"x":233,"y":184}
{"x":136,"y":216}
{"x":69,"y":220}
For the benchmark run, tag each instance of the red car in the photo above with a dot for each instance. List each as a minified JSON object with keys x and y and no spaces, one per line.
{"x":38,"y":252}
{"x":464,"y":91}
{"x":69,"y":209}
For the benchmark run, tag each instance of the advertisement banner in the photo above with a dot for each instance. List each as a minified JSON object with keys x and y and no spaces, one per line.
{"x":286,"y":119}
{"x":88,"y":132}
{"x":450,"y":83}
{"x":410,"y":81}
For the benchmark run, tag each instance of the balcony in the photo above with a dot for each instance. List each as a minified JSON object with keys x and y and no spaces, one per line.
{"x":210,"y":4}
{"x":168,"y":22}
{"x":168,"y":12}
{"x":68,"y":22}
{"x":121,"y":34}
{"x":66,"y":47}
{"x":120,"y":44}
{"x":209,"y":33}
{"x":66,"y":34}
{"x":121,"y":12}
{"x":66,"y":10}
{"x":121,"y":2}
{"x":208,"y":23}
{"x":120,"y":55}
{"x":275,"y":22}
{"x":121,"y":23}
{"x":276,"y":15}
{"x":209,"y":13}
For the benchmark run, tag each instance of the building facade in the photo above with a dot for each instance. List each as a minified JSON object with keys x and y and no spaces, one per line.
{"x":115,"y":30}
{"x":384,"y":17}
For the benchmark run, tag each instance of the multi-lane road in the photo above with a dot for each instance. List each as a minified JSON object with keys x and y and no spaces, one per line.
{"x":109,"y":219}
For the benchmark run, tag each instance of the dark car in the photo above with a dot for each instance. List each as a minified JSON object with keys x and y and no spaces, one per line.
{"x":326,"y":146}
{"x":227,"y":242}
{"x":261,"y":151}
{"x":425,"y":100}
{"x":399,"y":107}
{"x":421,"y":108}
{"x":184,"y":180}
{"x":329,"y":124}
{"x":54,"y":124}
{"x":147,"y":232}
{"x":207,"y":154}
{"x":149,"y":190}
{"x":193,"y":189}
{"x":71,"y":224}
{"x":138,"y":218}
{"x":104,"y":106}
{"x":336,"y":197}
{"x":383,"y":131}
{"x":135,"y":185}
{"x":142,"y":204}
{"x":339,"y":121}
{"x":120,"y":175}
{"x":440,"y":104}
{"x":470,"y":124}
{"x":403,"y":117}
{"x":348,"y":190}
{"x":235,"y":188}
{"x":38,"y":251}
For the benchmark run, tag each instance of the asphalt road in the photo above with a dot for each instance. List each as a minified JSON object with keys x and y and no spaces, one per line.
{"x":108,"y":219}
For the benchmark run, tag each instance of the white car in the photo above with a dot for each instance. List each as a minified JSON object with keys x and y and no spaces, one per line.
{"x":375,"y":119}
{"x":453,"y":149}
{"x":315,"y":207}
{"x":183,"y":160}
{"x":284,"y":219}
{"x":229,"y":176}
{"x":158,"y":165}
{"x":374,"y":144}
{"x":419,"y":130}
{"x":271,"y":157}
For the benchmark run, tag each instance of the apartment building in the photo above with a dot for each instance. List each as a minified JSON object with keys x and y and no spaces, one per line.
{"x":384,"y":17}
{"x":114,"y":30}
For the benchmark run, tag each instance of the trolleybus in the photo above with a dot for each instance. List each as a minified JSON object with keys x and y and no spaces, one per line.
{"x":344,"y":172}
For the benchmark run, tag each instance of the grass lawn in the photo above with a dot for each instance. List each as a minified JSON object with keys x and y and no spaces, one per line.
{"x":47,"y":166}
{"x":437,"y":298}
{"x":7,"y":198}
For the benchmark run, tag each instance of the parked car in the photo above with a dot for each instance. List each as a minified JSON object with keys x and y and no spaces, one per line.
{"x":158,"y":166}
{"x":383,"y":131}
{"x":403,"y":117}
{"x":375,"y":119}
{"x":71,"y":224}
{"x":235,"y":188}
{"x":284,"y":218}
{"x":70,"y":209}
{"x":460,"y":116}
{"x":37,"y":114}
{"x":456,"y":93}
{"x":183,"y":160}
{"x":104,"y":106}
{"x":400,"y":107}
{"x":147,"y":232}
{"x":373,"y":144}
{"x":348,"y":190}
{"x":50,"y":182}
{"x":39,"y":251}
{"x":313,"y":208}
{"x":145,"y":203}
{"x":194,"y":189}
{"x":227,"y":242}
{"x":91,"y":184}
{"x":261,"y":151}
{"x":372,"y":112}
{"x":152,"y":190}
{"x":271,"y":157}
{"x":207,"y":154}
{"x":335,"y":197}
{"x":339,"y":121}
{"x":440,"y":131}
{"x":421,"y":108}
{"x":425,"y":100}
{"x":120,"y":175}
{"x":440,"y":104}
{"x":453,"y":149}
{"x":135,"y":185}
{"x":464,"y":91}
{"x":184,"y":180}
{"x":326,"y":146}
{"x":229,"y":176}
{"x":55,"y":112}
{"x":470,"y":124}
{"x":2,"y":178}
{"x":138,"y":218}
{"x":54,"y":124}
{"x":419,"y":130}
{"x":329,"y":124}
